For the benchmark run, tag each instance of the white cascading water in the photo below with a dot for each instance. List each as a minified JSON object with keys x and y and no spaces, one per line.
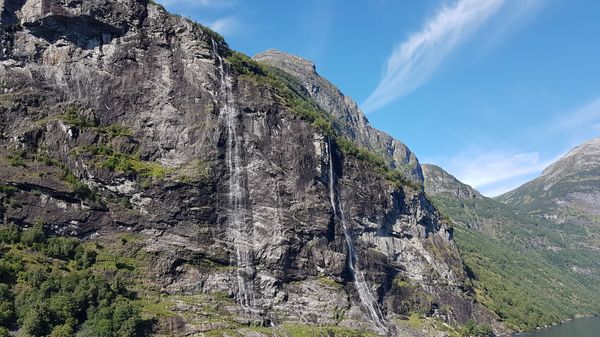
{"x":366,"y":298}
{"x":237,"y":211}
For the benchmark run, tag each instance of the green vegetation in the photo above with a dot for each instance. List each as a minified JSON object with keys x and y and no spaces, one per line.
{"x":115,"y":130}
{"x":415,"y":321}
{"x":292,"y":331}
{"x":79,"y":187}
{"x":295,"y":98}
{"x":124,"y":163}
{"x":310,"y":331}
{"x":287,"y":87}
{"x":52,"y":286}
{"x":17,"y":158}
{"x":7,"y":189}
{"x":471,"y":329}
{"x":527,"y":286}
{"x":328,"y":282}
{"x":434,"y":325}
{"x":401,"y":282}
{"x":522,"y":288}
{"x":195,"y":171}
{"x":73,"y":116}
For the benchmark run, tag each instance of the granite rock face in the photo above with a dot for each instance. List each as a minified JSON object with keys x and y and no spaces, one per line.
{"x":355,"y":124}
{"x":114,"y":118}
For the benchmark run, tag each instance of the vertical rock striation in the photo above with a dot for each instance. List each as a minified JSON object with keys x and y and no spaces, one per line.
{"x":355,"y":124}
{"x":228,"y":186}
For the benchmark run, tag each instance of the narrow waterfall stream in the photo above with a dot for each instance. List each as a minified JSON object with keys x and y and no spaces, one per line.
{"x":366,"y":298}
{"x":237,"y":226}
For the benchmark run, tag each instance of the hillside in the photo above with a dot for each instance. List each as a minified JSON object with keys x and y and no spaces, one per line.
{"x":201,"y":193}
{"x":524,"y":268}
{"x":567,"y":192}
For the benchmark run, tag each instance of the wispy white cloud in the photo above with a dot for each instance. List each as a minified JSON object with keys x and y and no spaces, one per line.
{"x":225,"y":26}
{"x":515,"y":14}
{"x":587,"y":116}
{"x":414,"y":61}
{"x":493,"y":173}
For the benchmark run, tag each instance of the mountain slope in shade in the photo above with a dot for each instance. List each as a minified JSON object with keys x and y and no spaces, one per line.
{"x":530,"y":271}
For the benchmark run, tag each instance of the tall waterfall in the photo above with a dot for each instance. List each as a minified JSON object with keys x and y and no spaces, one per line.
{"x":366,"y":298}
{"x":237,"y":225}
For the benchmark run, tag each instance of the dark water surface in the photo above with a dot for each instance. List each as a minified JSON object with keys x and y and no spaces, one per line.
{"x":582,"y":327}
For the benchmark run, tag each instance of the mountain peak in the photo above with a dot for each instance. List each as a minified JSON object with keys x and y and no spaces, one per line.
{"x":570,"y":182}
{"x":438,"y":182}
{"x":355,"y":124}
{"x":285,"y":60}
{"x":581,"y":158}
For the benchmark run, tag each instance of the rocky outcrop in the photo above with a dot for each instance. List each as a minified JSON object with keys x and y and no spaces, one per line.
{"x":355,"y":124}
{"x":116,"y":115}
{"x":440,"y":183}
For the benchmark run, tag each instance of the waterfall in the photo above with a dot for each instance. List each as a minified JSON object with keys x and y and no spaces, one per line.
{"x":236,"y":220}
{"x":366,"y":298}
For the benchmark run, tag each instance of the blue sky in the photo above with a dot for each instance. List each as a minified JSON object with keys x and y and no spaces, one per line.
{"x":491,"y":90}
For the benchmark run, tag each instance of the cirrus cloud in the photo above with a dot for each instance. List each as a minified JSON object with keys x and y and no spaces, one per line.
{"x":415,"y":60}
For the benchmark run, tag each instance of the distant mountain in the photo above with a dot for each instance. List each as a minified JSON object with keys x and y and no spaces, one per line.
{"x":439,"y":182}
{"x":527,"y":269}
{"x":568,"y":191}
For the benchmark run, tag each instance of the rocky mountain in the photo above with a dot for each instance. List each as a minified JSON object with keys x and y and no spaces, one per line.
{"x":567,"y":191}
{"x":354,"y":123}
{"x":503,"y":245}
{"x":438,"y":182}
{"x":212,"y":195}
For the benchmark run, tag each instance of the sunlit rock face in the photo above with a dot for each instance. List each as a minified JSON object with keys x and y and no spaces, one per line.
{"x":228,"y":187}
{"x":356,"y":125}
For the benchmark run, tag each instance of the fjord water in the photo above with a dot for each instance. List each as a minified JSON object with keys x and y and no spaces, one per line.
{"x":582,"y":327}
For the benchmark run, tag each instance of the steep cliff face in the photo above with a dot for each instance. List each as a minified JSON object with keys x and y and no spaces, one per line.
{"x":355,"y":124}
{"x":117,"y":116}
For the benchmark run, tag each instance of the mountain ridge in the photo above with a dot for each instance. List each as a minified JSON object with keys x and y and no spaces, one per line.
{"x":563,"y":184}
{"x":506,"y":240}
{"x":440,"y":182}
{"x":331,"y":99}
